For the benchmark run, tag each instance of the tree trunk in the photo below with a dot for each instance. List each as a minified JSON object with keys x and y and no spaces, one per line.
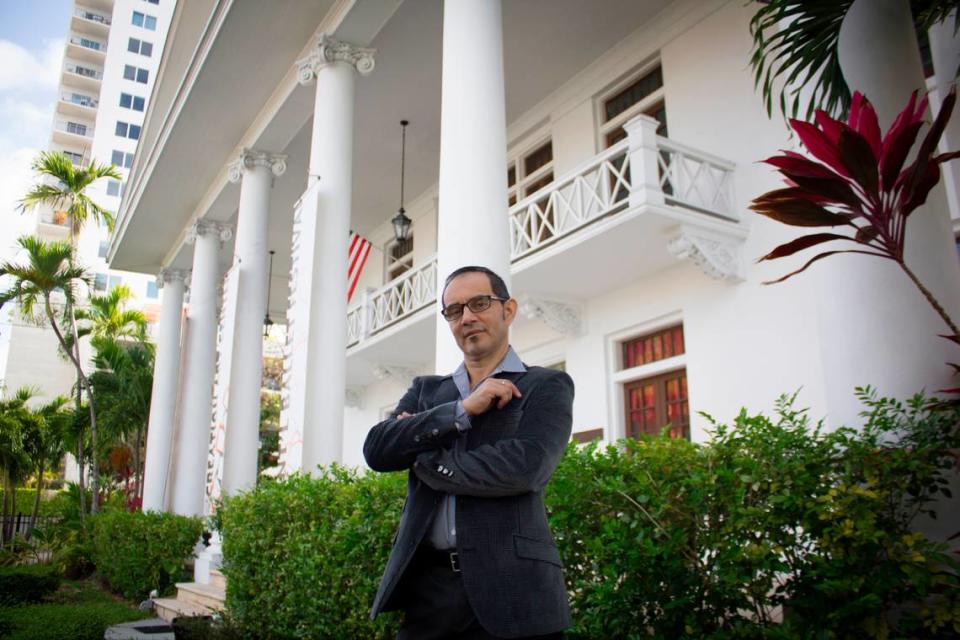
{"x":80,"y":481}
{"x":36,"y":500}
{"x":137,"y":476}
{"x":94,"y":467}
{"x":6,"y":508}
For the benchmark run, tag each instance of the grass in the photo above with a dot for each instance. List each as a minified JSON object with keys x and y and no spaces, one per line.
{"x":80,"y":610}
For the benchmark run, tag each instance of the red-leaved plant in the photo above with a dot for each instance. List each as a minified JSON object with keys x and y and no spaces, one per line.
{"x":859,"y":183}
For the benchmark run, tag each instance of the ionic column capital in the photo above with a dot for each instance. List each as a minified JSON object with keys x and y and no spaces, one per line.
{"x":252,"y":158}
{"x":221,"y":230}
{"x":167,"y":276}
{"x":329,"y":51}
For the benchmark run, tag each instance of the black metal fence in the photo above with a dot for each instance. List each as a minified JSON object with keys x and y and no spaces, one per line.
{"x":19,"y":523}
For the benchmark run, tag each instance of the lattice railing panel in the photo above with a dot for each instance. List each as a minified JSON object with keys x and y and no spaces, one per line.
{"x":691,"y":178}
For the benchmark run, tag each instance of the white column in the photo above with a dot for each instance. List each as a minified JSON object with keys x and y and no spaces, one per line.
{"x":945,"y":50}
{"x":333,"y":65}
{"x":163,"y":404}
{"x":193,"y":438}
{"x":255,"y":171}
{"x":644,"y":170}
{"x":875,"y":327}
{"x":472,"y":226}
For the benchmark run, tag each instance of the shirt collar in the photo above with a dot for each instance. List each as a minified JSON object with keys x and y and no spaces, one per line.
{"x":511,"y":363}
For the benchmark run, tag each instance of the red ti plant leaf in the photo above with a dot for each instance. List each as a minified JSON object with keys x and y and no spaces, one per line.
{"x":790,"y":206}
{"x":955,"y":338}
{"x":830,"y":127}
{"x":796,"y":165}
{"x":856,"y":155}
{"x":801,"y":243}
{"x":831,"y":190}
{"x":895,"y":151}
{"x":863,"y":120}
{"x":866,"y":234}
{"x":818,"y":144}
{"x":916,"y":191}
{"x":817,"y":257}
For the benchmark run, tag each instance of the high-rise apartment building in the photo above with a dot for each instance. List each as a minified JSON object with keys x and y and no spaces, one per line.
{"x":110,"y":61}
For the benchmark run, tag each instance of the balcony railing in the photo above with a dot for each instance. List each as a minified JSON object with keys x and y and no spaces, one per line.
{"x":93,"y":17}
{"x":86,"y":72}
{"x":80,"y":99}
{"x":391,"y":303}
{"x":694,"y":179}
{"x":87,"y":43}
{"x":607,"y":184}
{"x":599,"y":188}
{"x":75,"y":128}
{"x":643,"y":169}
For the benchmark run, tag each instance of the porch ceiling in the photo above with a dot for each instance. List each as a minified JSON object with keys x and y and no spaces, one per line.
{"x":545,"y":43}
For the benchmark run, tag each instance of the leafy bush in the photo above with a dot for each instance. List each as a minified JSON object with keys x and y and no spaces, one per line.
{"x":776,"y":528}
{"x":27,"y":583}
{"x":79,"y":611}
{"x":303,"y":557}
{"x":138,"y":552}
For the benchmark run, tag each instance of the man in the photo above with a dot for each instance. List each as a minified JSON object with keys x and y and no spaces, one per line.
{"x":473,"y":556}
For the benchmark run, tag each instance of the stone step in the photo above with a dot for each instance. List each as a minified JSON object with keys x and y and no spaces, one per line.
{"x":170,"y":608}
{"x":201,"y":595}
{"x":217,"y":579}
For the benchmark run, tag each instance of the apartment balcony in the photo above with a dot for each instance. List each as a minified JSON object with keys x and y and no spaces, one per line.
{"x":86,"y":49}
{"x":77,"y":105}
{"x":71,"y":133}
{"x":90,"y":22}
{"x":628,"y":212}
{"x":52,"y":225}
{"x":81,"y":76}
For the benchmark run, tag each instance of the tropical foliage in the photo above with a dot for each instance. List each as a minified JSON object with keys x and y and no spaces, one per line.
{"x":795,"y":59}
{"x":776,"y":528}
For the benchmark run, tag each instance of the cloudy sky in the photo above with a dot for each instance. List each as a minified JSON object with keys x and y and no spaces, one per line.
{"x":31,"y":48}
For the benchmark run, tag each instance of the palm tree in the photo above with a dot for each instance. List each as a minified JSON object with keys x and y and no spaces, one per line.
{"x":43,"y":443}
{"x":49,"y":273}
{"x":65,"y":190}
{"x":795,"y":44}
{"x":108,"y":318}
{"x":123,"y":382}
{"x":13,"y":457}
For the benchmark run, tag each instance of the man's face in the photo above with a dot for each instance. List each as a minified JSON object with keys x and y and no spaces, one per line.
{"x":484,"y":333}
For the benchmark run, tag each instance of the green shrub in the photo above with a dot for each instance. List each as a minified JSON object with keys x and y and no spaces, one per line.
{"x":776,"y":528}
{"x":303,"y":557}
{"x":138,"y":552}
{"x":79,"y":611}
{"x":27,"y":583}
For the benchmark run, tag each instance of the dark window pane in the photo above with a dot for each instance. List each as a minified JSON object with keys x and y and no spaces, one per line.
{"x":632,"y":94}
{"x":138,"y":103}
{"x":146,"y":49}
{"x":538,"y":158}
{"x":150,"y":23}
{"x":129,"y":72}
{"x":116,"y":158}
{"x":511,"y":175}
{"x":137,"y":19}
{"x":134,"y":132}
{"x":142,"y":75}
{"x":125,"y":100}
{"x":645,"y":349}
{"x":122,"y":129}
{"x":133,"y":45}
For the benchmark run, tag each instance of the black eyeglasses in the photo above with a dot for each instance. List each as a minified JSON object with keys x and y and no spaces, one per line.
{"x":476,"y":304}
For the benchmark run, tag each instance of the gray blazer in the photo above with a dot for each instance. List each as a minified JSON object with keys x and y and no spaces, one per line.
{"x":511,"y":567}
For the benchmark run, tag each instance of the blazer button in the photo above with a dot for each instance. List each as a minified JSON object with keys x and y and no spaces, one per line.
{"x":416,"y":438}
{"x":436,"y":432}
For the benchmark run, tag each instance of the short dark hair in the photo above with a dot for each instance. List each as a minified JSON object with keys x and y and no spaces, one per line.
{"x":497,"y":284}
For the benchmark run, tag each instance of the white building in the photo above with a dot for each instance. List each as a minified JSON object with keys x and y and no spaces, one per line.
{"x":601,"y":154}
{"x":111,"y":56}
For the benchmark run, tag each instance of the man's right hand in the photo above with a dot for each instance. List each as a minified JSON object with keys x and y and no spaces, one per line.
{"x":492,"y":391}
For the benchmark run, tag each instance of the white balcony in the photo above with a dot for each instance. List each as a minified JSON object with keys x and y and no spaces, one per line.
{"x":72,"y":133}
{"x":86,"y":49}
{"x":77,"y":105}
{"x":85,"y":77}
{"x":90,"y":22}
{"x":52,"y":225}
{"x":594,"y":229}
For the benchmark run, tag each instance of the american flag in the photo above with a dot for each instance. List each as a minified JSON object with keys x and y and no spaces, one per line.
{"x":356,"y":258}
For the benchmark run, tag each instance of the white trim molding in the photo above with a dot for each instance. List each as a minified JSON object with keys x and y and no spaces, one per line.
{"x":397,"y":373}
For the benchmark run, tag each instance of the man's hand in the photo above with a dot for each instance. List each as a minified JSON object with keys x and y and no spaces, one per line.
{"x":491,"y":391}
